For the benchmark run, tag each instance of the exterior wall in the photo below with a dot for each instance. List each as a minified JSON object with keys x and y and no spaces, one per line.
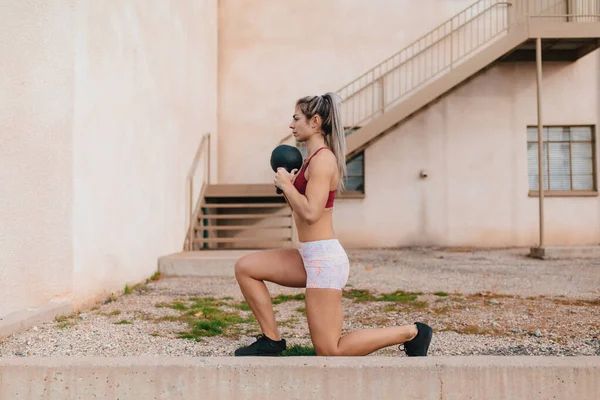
{"x":145,"y":94}
{"x":36,"y":114}
{"x":102,"y":109}
{"x":473,"y":144}
{"x":272,"y":52}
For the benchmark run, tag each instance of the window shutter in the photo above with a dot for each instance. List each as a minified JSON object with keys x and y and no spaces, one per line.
{"x":583,"y":173}
{"x":560,"y":166}
{"x":532,"y":166}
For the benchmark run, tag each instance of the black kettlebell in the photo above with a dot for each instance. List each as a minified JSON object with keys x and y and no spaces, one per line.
{"x":287,"y":157}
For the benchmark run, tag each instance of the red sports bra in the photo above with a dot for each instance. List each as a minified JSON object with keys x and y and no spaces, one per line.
{"x":300,"y":182}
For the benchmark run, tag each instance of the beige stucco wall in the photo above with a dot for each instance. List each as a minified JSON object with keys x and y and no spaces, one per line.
{"x":145,"y":94}
{"x":102,"y":108}
{"x":473,"y":144}
{"x":272,"y":52}
{"x":36,"y":117}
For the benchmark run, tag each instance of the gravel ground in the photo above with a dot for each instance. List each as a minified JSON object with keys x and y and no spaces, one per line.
{"x":478,"y":303}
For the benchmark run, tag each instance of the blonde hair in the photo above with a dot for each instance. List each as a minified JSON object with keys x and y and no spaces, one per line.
{"x":327,"y":107}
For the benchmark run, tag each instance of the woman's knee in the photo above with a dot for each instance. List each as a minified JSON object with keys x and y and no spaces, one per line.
{"x":327,"y":350}
{"x":243,"y":267}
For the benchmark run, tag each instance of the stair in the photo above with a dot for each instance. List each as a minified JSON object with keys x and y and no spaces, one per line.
{"x":242,"y":217}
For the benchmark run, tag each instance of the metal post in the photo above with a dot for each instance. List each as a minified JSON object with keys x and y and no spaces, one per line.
{"x":191,"y":211}
{"x":538,"y":54}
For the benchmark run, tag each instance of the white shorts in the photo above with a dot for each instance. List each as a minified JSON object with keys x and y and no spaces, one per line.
{"x":326,"y":264}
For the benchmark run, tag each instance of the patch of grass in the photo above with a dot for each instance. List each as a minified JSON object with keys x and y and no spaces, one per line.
{"x":155,"y":277}
{"x":287,"y":297}
{"x":213,"y":324}
{"x":399,"y":296}
{"x":301,"y":310}
{"x":205,"y":317}
{"x":176,"y":305}
{"x":123,"y":322}
{"x":61,"y":318}
{"x":110,"y":299}
{"x":227,"y":298}
{"x":242,"y":306}
{"x":116,"y":312}
{"x":65,"y":324}
{"x":358,"y":295}
{"x":135,"y":288}
{"x":299,"y":351}
{"x":441,"y":294}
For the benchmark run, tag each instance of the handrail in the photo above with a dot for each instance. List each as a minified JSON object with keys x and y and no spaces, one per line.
{"x":193,"y":212}
{"x":507,"y":3}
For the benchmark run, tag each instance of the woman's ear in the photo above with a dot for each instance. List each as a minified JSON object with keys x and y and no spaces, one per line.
{"x":315,"y":121}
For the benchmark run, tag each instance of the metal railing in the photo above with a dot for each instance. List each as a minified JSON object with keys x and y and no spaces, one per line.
{"x":426,"y":59}
{"x":444,"y":48}
{"x":195,"y":210}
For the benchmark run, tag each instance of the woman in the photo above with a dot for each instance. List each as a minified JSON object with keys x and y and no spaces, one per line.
{"x":320,"y":264}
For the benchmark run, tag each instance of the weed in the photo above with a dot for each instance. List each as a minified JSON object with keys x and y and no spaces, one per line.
{"x":123,"y":322}
{"x":299,"y":351}
{"x":127,"y":290}
{"x":441,"y":294}
{"x":157,"y":276}
{"x":301,"y":310}
{"x":287,"y":297}
{"x":204,"y":317}
{"x":116,"y":312}
{"x":399,"y":296}
{"x":65,"y":324}
{"x":242,"y":306}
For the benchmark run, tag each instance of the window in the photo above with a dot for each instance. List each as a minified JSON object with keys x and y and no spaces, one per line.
{"x":355,"y":177}
{"x":568,"y":159}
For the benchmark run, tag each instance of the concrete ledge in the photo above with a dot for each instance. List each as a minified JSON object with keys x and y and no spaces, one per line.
{"x":301,"y":378}
{"x":565,"y":252}
{"x":25,"y":319}
{"x":200,"y":263}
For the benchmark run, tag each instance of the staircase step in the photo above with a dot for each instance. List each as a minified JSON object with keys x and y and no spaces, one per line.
{"x":241,"y":190}
{"x":244,"y":205}
{"x":243,"y":227}
{"x":245,"y":239}
{"x":244,"y":216}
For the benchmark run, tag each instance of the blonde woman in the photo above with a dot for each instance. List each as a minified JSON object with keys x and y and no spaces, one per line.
{"x":320,"y":264}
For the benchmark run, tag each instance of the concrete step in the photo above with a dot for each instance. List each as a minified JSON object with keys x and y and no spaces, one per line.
{"x":201,"y":263}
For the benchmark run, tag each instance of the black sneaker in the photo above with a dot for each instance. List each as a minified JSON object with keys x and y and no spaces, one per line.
{"x":263,"y":346}
{"x":419,"y":345}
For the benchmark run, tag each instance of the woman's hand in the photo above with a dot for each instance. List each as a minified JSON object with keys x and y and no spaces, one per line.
{"x":284,"y":179}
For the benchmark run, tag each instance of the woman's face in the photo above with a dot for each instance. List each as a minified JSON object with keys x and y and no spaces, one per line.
{"x":301,"y":127}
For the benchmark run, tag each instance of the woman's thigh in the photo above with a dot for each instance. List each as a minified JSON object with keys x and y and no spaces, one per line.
{"x":281,"y":266}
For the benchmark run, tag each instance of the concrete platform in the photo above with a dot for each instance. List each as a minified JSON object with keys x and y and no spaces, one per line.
{"x":25,"y":319}
{"x":200,"y":263}
{"x":565,"y":252}
{"x":348,"y":378}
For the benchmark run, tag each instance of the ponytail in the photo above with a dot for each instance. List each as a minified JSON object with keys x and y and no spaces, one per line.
{"x":328,"y":107}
